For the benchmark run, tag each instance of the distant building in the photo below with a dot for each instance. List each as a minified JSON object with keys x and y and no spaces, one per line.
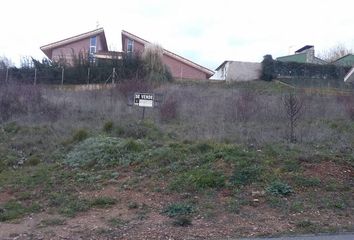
{"x":180,"y":67}
{"x":231,"y":71}
{"x":305,"y":54}
{"x":347,"y":60}
{"x":92,"y":45}
{"x":85,"y":45}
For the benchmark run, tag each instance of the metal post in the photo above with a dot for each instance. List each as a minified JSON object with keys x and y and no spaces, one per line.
{"x":62,"y":75}
{"x":7,"y":75}
{"x":142,"y":118}
{"x":35,"y":76}
{"x":88,"y":75}
{"x":113,"y":75}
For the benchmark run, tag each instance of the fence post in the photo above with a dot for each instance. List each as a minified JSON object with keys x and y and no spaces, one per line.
{"x":62,"y":75}
{"x":88,"y":76}
{"x":35,"y":76}
{"x":113,"y":75}
{"x":7,"y":75}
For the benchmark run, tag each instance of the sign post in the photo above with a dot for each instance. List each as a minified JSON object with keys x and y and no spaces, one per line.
{"x":144,"y":100}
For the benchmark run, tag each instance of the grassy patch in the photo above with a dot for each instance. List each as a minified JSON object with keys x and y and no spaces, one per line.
{"x":103,"y":202}
{"x":246,"y":174}
{"x":179,"y":209}
{"x":278,"y":188}
{"x":15,"y":209}
{"x":102,"y":152}
{"x":198,"y":179}
{"x":52,"y":222}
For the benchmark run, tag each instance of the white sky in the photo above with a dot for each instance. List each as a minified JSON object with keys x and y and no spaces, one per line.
{"x":207,"y":32}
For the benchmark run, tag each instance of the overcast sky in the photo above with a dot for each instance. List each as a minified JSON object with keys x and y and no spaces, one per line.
{"x":207,"y":32}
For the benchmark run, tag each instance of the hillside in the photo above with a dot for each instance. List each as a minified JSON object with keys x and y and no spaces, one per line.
{"x":212,"y":161}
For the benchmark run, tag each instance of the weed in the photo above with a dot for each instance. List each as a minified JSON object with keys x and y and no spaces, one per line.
{"x":307,"y":181}
{"x":52,"y":222}
{"x":179,"y":209}
{"x":297,"y":207}
{"x":279,"y":188}
{"x":182,"y":221}
{"x":79,"y":135}
{"x":74,"y":206}
{"x":33,"y":160}
{"x":198,"y":179}
{"x":306,"y":226}
{"x":116,"y":222}
{"x":133,"y":205}
{"x":244,"y":175}
{"x":101,"y":152}
{"x":168,"y":110}
{"x":15,"y":209}
{"x":103,"y":202}
{"x":108,"y":127}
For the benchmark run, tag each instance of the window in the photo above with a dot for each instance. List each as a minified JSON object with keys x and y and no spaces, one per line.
{"x":93,"y":44}
{"x":130,"y":46}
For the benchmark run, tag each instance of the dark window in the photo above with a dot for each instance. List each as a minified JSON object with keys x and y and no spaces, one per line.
{"x":130,"y":45}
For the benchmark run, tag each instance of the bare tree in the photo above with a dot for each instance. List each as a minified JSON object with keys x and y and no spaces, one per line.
{"x":335,"y":52}
{"x":293,"y":106}
{"x":5,"y":62}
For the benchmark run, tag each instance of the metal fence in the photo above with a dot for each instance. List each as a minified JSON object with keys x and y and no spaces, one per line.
{"x":79,"y":75}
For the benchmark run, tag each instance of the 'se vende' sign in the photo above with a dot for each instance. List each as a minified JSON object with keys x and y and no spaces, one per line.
{"x":144,"y":99}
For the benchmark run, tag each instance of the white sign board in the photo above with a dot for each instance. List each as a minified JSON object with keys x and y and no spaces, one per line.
{"x":144,"y":99}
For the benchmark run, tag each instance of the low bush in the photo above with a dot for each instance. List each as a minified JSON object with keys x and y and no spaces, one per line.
{"x":179,"y":209}
{"x":198,"y":179}
{"x":279,"y":189}
{"x":101,"y":152}
{"x":244,"y":175}
{"x":79,"y":135}
{"x":168,"y":110}
{"x":108,"y":127}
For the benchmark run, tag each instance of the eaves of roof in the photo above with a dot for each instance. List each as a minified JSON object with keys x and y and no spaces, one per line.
{"x":76,"y":38}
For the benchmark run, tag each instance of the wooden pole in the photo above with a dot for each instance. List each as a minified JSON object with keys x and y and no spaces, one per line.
{"x":7,"y":75}
{"x":88,"y":75}
{"x":35,"y":76}
{"x":62,"y":75}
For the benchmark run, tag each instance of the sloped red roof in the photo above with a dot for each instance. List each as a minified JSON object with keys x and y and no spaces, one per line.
{"x":169,"y":53}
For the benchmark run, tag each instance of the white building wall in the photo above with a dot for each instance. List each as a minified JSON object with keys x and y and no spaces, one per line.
{"x":243,"y":71}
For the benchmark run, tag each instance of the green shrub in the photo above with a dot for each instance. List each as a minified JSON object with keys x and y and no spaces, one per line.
{"x":11,"y":210}
{"x":198,"y":179}
{"x":33,"y":160}
{"x":179,"y":209}
{"x":108,"y":127}
{"x":302,"y":181}
{"x":101,"y":152}
{"x":267,"y":68}
{"x":15,"y":209}
{"x":103,"y":202}
{"x":80,"y":135}
{"x":244,"y":175}
{"x":279,"y":188}
{"x":74,"y":206}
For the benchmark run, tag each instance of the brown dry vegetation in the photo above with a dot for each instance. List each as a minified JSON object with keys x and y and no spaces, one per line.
{"x":213,"y":161}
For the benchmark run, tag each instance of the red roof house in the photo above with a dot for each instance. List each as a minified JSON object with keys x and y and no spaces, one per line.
{"x":87,"y":44}
{"x":180,"y":67}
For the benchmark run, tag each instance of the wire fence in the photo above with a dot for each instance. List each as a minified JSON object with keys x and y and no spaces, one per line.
{"x":81,"y":75}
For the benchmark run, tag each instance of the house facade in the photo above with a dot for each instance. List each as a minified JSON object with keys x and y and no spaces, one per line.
{"x":305,"y":54}
{"x":236,"y":71}
{"x":86,"y":45}
{"x":180,"y":67}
